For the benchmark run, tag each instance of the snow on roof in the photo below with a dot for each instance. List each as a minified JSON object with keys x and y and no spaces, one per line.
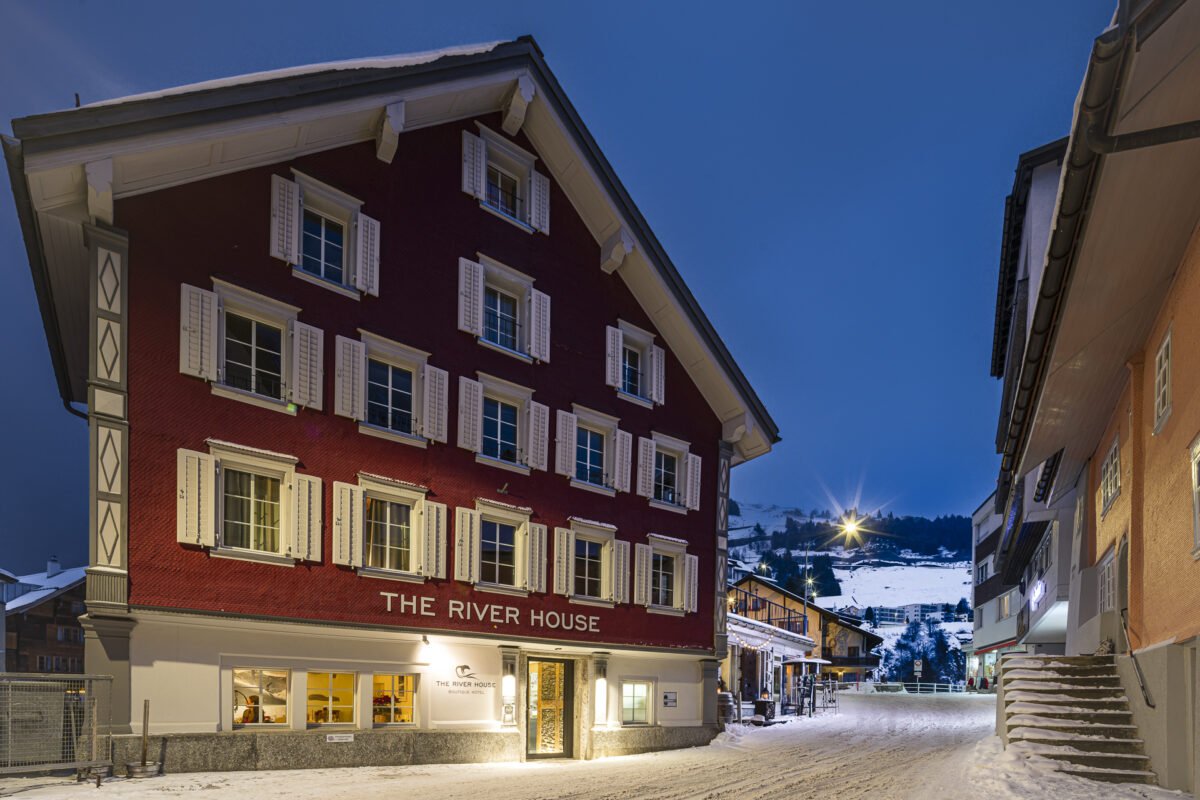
{"x":7,"y":576}
{"x":49,"y":587}
{"x":377,"y":62}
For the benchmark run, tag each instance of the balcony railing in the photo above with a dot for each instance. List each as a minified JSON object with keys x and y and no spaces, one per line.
{"x":760,"y":609}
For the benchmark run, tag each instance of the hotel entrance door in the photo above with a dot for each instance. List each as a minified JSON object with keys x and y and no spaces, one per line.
{"x":549,"y":719}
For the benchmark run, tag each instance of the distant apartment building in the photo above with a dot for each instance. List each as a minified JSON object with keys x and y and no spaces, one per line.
{"x":890,"y":615}
{"x":39,"y":620}
{"x":995,"y":602}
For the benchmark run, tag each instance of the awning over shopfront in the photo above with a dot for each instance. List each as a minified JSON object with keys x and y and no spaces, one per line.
{"x":788,"y":661}
{"x":992,"y":647}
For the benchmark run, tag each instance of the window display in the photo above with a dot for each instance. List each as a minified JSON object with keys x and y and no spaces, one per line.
{"x":393,"y":698}
{"x":330,"y":697}
{"x":260,"y":696}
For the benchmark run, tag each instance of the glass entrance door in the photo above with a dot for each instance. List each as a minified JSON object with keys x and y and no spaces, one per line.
{"x":549,"y":712}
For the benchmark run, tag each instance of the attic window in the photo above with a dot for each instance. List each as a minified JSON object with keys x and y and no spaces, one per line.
{"x":501,"y":175}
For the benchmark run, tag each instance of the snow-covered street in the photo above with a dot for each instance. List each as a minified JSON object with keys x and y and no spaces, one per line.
{"x":878,"y":746}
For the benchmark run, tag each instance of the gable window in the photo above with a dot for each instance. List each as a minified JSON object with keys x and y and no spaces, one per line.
{"x":635,"y":366}
{"x":590,"y":564}
{"x":668,"y":474}
{"x":499,"y":306}
{"x":387,"y":528}
{"x":250,"y":347}
{"x":244,"y":502}
{"x":635,"y":702}
{"x":501,"y":423}
{"x":1110,"y":476}
{"x":501,"y":175}
{"x":260,"y":697}
{"x":321,"y":232}
{"x":497,"y":548}
{"x":665,"y":576}
{"x":330,"y":698}
{"x":592,"y":451}
{"x":390,"y":389}
{"x":1162,"y":382}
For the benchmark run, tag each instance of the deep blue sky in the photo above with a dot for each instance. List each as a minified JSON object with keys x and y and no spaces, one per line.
{"x":829,"y":178}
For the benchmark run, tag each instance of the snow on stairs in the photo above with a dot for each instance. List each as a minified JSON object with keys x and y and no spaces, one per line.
{"x":1073,"y":710}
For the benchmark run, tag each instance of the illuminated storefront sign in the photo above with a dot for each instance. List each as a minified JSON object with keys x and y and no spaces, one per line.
{"x":491,"y":613}
{"x":1039,"y":591}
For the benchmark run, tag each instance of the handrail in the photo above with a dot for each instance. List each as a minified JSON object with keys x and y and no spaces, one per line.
{"x":1137,"y":668}
{"x":759,"y":608}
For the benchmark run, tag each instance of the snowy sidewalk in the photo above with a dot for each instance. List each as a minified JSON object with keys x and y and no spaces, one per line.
{"x":879,"y":746}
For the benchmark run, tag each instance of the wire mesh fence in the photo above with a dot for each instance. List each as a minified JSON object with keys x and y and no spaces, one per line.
{"x":54,"y":721}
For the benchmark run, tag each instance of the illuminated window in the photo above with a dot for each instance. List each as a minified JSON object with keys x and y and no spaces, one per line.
{"x":393,"y":698}
{"x":330,"y":697}
{"x":252,"y":511}
{"x":635,"y":702}
{"x":389,"y":535}
{"x":260,"y":696}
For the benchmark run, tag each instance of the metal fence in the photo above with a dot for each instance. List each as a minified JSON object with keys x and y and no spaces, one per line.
{"x":914,"y":687}
{"x":54,"y":721}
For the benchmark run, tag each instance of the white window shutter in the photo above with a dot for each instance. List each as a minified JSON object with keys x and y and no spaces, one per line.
{"x":613,"y":340}
{"x":470,"y":414}
{"x":658,"y":382}
{"x":564,"y":449}
{"x":641,"y":574}
{"x":285,"y":220}
{"x":308,"y":365}
{"x":645,"y":478}
{"x":536,"y":559}
{"x":539,"y":435}
{"x":620,"y":571}
{"x":539,"y":325}
{"x":348,"y":509}
{"x":196,"y":506}
{"x":433,"y":412}
{"x":691,"y":579}
{"x":474,"y":165}
{"x":539,"y":202}
{"x":466,"y":545}
{"x":366,"y":266}
{"x":434,"y":521}
{"x":470,"y":296}
{"x":564,"y":561}
{"x":198,"y":309}
{"x":308,"y":505}
{"x":693,"y":482}
{"x":350,"y":378}
{"x":622,"y":460}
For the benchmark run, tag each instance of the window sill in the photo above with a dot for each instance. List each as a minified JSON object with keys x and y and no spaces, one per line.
{"x":636,"y":400}
{"x":666,"y":611}
{"x":511,"y":466}
{"x":390,"y":575}
{"x":1161,"y":422}
{"x":581,"y":600}
{"x":392,"y":436}
{"x":228,"y":392}
{"x":507,"y":218}
{"x":592,"y":487}
{"x":394,"y":725}
{"x":252,"y":555}
{"x":336,"y":288}
{"x":495,"y":588}
{"x":668,"y":507}
{"x":499,"y":348}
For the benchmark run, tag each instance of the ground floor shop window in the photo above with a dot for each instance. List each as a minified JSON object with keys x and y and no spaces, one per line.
{"x":260,"y":696}
{"x":635,"y":702}
{"x":393,"y":698}
{"x":330,"y":697}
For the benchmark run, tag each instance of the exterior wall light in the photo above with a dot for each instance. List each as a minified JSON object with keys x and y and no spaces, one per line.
{"x":508,"y":686}
{"x":600,"y":662}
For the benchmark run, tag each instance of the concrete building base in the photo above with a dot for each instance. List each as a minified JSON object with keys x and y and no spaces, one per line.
{"x":1170,"y":728}
{"x":255,"y":750}
{"x":632,"y":740}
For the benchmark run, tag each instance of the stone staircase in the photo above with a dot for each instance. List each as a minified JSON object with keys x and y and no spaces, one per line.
{"x":1073,"y":710}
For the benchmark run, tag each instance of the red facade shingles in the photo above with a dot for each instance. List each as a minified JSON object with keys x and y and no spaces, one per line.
{"x":219,"y":227}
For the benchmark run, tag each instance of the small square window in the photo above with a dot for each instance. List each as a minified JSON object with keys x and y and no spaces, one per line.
{"x":498,"y":553}
{"x":635,"y":702}
{"x":260,"y":696}
{"x":330,"y":698}
{"x":393,"y":698}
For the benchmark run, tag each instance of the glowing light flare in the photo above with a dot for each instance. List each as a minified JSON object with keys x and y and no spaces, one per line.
{"x":601,"y":701}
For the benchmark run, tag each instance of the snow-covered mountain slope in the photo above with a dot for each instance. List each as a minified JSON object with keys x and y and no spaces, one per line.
{"x":865,"y":585}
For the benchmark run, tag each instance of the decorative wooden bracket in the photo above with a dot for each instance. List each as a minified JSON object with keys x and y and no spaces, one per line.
{"x":99,"y":190}
{"x":613,"y":252}
{"x":518,"y":101}
{"x":388,"y":136}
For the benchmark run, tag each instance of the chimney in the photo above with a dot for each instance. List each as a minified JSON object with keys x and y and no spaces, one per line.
{"x":53,"y":567}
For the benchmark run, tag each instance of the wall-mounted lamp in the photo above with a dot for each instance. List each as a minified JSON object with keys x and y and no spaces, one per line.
{"x":424,"y":639}
{"x":600,"y":664}
{"x":508,"y":686}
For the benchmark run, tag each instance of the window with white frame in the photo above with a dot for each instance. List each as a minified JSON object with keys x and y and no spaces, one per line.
{"x":250,"y":347}
{"x":501,"y":175}
{"x":635,"y":365}
{"x":1110,"y":475}
{"x":499,"y":306}
{"x":324,"y":235}
{"x":668,"y":474}
{"x":665,"y":575}
{"x":983,"y":571}
{"x":1162,"y":381}
{"x":590,"y":563}
{"x":500,"y":422}
{"x":245,"y":502}
{"x":1107,"y":589}
{"x":393,"y":699}
{"x":1007,"y":604}
{"x":496,"y":546}
{"x":387,"y":528}
{"x":330,"y":698}
{"x":1195,"y":470}
{"x":592,"y":451}
{"x":390,"y":389}
{"x":636,"y":703}
{"x":260,"y":697}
